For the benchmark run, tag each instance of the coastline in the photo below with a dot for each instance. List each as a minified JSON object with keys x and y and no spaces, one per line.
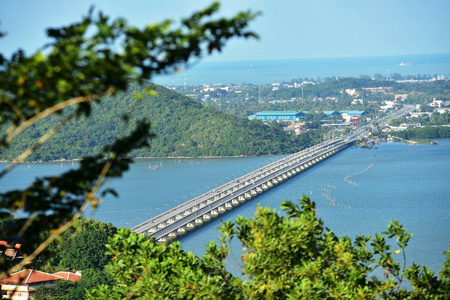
{"x":141,"y":157}
{"x":367,"y":145}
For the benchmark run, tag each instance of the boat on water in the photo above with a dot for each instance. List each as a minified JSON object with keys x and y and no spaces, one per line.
{"x":405,"y":64}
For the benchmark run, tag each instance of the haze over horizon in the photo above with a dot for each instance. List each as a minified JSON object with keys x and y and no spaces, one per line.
{"x":288,"y":30}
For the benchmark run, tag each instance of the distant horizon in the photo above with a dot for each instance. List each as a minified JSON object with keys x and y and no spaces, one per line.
{"x":205,"y":60}
{"x":284,"y":70}
{"x":288,"y":29}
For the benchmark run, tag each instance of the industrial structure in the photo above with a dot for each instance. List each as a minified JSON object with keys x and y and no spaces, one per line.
{"x":293,"y":116}
{"x":289,"y":115}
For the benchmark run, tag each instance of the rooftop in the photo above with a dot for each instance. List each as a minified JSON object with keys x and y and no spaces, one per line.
{"x":285,"y":113}
{"x":31,"y":276}
{"x":353,"y":112}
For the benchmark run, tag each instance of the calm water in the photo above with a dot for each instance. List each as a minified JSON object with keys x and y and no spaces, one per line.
{"x":410,"y":183}
{"x":261,"y":72}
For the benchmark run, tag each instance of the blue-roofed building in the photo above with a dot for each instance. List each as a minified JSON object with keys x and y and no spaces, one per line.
{"x":353,"y":113}
{"x":288,"y":116}
{"x":331,"y":113}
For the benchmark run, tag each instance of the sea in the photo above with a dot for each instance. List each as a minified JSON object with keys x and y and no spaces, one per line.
{"x":357,"y":192}
{"x":268,"y":71}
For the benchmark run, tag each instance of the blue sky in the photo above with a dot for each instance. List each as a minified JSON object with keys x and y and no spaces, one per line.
{"x":288,"y":29}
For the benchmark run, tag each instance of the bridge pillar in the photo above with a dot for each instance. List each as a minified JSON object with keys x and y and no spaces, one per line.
{"x":172,"y":235}
{"x":190,"y":226}
{"x":162,"y":240}
{"x":181,"y":230}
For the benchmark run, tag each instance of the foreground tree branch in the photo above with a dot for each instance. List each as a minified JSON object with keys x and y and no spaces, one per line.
{"x":85,"y":61}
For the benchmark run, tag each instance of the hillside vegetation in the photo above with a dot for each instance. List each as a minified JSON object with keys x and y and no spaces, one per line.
{"x":183,"y":127}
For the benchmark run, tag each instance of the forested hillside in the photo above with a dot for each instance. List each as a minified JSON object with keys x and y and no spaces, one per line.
{"x":183,"y":127}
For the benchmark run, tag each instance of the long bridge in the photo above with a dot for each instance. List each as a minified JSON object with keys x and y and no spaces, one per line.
{"x":201,"y":209}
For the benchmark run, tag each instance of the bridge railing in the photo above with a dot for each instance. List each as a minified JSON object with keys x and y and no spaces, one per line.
{"x":221,"y":191}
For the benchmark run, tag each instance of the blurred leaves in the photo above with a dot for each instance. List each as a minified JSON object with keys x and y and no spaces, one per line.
{"x":84,"y":62}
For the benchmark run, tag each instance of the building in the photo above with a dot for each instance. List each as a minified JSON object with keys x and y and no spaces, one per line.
{"x":22,"y":285}
{"x":442,"y":110}
{"x":281,"y":101}
{"x":331,"y":113}
{"x":287,"y":116}
{"x":388,"y":105}
{"x":354,"y":120}
{"x":357,"y":101}
{"x":353,"y":113}
{"x":420,"y":114}
{"x":437,"y":103}
{"x":400,"y":97}
{"x":352,"y":116}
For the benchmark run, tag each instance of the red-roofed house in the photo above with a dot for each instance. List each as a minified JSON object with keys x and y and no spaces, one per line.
{"x":68,"y":275}
{"x":23,"y":284}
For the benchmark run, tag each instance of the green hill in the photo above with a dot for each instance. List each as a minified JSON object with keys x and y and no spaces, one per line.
{"x":183,"y":127}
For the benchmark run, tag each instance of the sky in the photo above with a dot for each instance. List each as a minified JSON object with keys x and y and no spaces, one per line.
{"x":289,"y":29}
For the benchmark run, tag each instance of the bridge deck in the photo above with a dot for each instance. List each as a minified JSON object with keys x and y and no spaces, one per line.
{"x":202,"y":208}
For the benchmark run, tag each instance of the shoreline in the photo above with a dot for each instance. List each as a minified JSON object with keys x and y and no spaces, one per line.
{"x":140,"y":157}
{"x":198,"y":157}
